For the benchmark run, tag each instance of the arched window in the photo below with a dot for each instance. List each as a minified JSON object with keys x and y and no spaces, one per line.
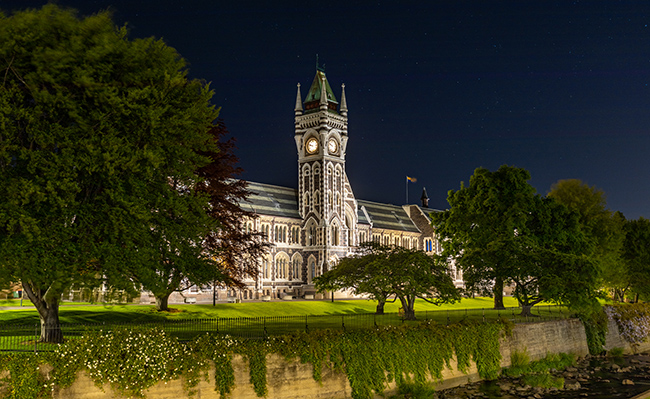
{"x":311,"y":235}
{"x":265,"y":268}
{"x":316,"y":202}
{"x":282,"y":266}
{"x":305,"y":210}
{"x":335,"y":235}
{"x":266,"y":231}
{"x":311,"y":271}
{"x":296,"y":267}
{"x":428,"y":245}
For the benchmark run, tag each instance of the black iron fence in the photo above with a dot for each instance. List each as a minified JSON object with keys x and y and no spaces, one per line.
{"x":17,"y":338}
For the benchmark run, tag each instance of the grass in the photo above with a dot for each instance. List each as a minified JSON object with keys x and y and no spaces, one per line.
{"x":75,"y":313}
{"x":537,"y":373}
{"x":256,"y":319}
{"x":249,"y":319}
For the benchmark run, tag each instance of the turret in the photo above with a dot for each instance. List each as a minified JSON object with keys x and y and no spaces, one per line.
{"x":424,"y":198}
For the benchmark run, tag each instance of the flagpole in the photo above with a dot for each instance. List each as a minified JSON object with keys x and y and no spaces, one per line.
{"x":407,"y":190}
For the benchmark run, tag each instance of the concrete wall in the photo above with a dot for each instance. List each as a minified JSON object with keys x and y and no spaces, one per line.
{"x":294,"y":380}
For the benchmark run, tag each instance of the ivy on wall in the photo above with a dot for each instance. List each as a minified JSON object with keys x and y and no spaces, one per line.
{"x":131,"y":361}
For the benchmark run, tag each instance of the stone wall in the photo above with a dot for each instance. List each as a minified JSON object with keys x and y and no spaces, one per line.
{"x":292,"y":380}
{"x":614,"y":340}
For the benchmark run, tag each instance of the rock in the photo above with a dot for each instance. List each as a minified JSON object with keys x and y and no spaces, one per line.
{"x":606,"y":381}
{"x":572,"y":385}
{"x":571,"y":369}
{"x":505,"y":386}
{"x":597,"y":369}
{"x":634,"y":361}
{"x":628,"y":382}
{"x":615,"y":367}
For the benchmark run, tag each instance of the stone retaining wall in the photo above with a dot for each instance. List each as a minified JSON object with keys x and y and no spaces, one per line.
{"x":292,"y":380}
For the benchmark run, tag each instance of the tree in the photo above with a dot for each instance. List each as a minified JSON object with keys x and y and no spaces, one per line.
{"x":479,"y":230}
{"x":636,"y":255}
{"x":383,"y":271}
{"x":498,"y":229}
{"x":233,"y":252}
{"x":239,"y":249}
{"x":553,"y":263}
{"x":414,"y":274}
{"x":601,"y":226}
{"x":100,"y":141}
{"x":356,"y":272}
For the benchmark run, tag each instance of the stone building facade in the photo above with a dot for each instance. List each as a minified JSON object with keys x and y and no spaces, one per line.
{"x":312,"y":227}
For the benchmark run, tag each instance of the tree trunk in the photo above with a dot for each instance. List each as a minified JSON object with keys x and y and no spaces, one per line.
{"x":526,"y":311}
{"x":47,"y":305}
{"x":380,"y":306}
{"x":498,"y":293}
{"x":162,"y":302}
{"x":408,"y":307}
{"x":50,"y":325}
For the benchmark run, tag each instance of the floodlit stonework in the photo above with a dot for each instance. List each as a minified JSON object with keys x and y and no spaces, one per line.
{"x":311,"y":228}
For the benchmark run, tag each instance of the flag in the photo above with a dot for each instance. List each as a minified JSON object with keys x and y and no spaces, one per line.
{"x":411,"y":179}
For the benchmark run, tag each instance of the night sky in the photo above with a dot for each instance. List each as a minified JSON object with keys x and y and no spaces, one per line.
{"x":434,"y":89}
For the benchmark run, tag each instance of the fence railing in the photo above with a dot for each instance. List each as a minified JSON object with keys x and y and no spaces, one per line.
{"x":16,"y":338}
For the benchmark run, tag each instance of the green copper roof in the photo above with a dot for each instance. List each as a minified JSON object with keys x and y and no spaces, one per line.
{"x":315,"y":89}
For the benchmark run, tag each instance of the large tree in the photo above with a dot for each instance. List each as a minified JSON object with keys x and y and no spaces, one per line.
{"x":100,"y":141}
{"x":498,"y":230}
{"x":552,"y":258}
{"x":228,"y":252}
{"x":479,"y":231}
{"x":239,"y":249}
{"x":636,"y":256}
{"x":601,"y":226}
{"x":382,"y":272}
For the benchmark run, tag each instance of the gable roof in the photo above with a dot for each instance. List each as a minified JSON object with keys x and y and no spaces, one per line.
{"x":272,"y":200}
{"x":388,"y":216}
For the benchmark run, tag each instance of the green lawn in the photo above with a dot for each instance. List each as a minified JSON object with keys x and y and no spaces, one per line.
{"x":74,"y":313}
{"x":251,"y":319}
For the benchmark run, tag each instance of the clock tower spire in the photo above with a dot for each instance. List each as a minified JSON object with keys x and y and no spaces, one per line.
{"x":325,"y":199}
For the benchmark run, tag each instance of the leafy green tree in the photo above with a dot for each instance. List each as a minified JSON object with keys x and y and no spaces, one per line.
{"x":601,"y":226}
{"x":416,"y":275}
{"x":100,"y":141}
{"x":498,"y":230}
{"x":479,"y":231}
{"x":636,"y":255}
{"x":383,"y":271}
{"x":556,"y":259}
{"x":227,"y":254}
{"x":357,"y":272}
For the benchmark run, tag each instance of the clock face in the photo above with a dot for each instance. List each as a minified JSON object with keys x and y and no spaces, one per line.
{"x":333,"y":146}
{"x":312,"y":146}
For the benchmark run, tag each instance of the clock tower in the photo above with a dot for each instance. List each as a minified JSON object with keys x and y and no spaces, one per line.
{"x":325,"y":199}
